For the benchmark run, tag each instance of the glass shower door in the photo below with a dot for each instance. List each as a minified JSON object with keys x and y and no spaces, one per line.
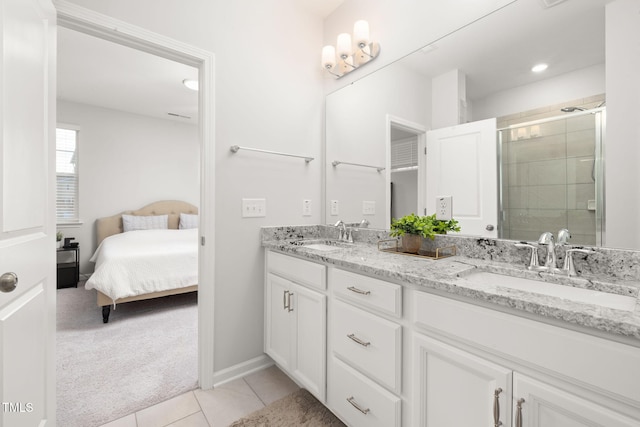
{"x":550,"y":177}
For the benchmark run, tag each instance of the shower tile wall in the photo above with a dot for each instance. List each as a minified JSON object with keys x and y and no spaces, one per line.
{"x":547,"y":179}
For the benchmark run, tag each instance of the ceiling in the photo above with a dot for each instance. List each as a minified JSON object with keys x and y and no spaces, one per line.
{"x":497,"y":52}
{"x":100,"y":73}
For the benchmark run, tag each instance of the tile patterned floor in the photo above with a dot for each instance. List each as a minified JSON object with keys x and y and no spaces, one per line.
{"x":214,"y":408}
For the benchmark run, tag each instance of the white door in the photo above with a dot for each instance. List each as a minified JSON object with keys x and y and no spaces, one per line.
{"x":462,"y":162}
{"x":27,"y":218}
{"x":278,"y":320}
{"x":456,"y":388}
{"x":309,"y":361}
{"x":536,"y":404}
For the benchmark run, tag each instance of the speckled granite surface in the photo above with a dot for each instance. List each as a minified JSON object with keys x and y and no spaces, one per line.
{"x":612,"y":271}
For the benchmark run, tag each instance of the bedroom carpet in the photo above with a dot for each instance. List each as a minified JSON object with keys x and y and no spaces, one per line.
{"x":299,"y":409}
{"x":146,"y":354}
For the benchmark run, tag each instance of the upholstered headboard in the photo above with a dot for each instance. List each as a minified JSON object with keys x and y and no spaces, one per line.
{"x":110,"y":225}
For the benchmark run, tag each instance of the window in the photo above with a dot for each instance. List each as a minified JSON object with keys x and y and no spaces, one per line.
{"x":66,"y":175}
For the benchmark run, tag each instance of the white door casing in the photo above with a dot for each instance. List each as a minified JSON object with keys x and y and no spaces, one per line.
{"x":27,"y":218}
{"x":93,"y":23}
{"x":462,"y":162}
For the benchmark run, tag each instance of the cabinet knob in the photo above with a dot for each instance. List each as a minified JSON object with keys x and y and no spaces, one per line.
{"x":8,"y":282}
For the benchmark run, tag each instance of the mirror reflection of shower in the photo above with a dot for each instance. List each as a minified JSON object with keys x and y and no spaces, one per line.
{"x":551,"y":173}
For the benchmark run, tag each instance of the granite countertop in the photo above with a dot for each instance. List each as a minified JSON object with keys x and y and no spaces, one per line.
{"x":449,"y":275}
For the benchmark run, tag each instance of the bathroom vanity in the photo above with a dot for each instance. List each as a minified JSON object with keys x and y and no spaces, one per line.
{"x":387,"y":340}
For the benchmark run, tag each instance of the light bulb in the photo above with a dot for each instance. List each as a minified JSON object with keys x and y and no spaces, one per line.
{"x":361,"y":34}
{"x":343,"y":46}
{"x":328,"y":57}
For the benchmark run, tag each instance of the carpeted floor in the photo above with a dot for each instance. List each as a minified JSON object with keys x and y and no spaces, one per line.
{"x":146,"y":354}
{"x":299,"y":409}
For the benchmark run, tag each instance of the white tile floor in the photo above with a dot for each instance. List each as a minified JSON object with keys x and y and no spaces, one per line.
{"x":214,"y":408}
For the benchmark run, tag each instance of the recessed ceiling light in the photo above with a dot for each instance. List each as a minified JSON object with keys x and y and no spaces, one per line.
{"x":191,"y":84}
{"x":538,"y":68}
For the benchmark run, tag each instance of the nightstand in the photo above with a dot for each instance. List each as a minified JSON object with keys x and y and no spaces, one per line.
{"x":68,"y":266}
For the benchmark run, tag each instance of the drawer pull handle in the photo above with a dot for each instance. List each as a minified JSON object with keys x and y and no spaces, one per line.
{"x":519,"y":412}
{"x":358,"y":291}
{"x":290,"y":294}
{"x":496,"y":408}
{"x":284,"y":299}
{"x":355,"y":405}
{"x":353,"y":337}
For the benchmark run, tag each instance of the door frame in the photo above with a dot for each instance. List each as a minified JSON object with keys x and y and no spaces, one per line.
{"x":86,"y":21}
{"x":420,"y":131}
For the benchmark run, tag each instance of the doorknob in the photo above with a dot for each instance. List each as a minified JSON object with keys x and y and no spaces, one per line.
{"x":490,"y":227}
{"x":8,"y":282}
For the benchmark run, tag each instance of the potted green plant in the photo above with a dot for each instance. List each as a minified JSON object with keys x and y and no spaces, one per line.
{"x":413,"y":228}
{"x":59,"y":236}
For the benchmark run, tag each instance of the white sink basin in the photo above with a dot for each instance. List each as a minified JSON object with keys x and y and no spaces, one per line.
{"x":323,"y":245}
{"x":587,"y":296}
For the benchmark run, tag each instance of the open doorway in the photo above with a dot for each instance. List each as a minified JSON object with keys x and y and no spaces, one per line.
{"x":405,"y":142}
{"x":201,"y":167}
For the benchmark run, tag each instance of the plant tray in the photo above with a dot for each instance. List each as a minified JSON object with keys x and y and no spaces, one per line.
{"x":394,"y":246}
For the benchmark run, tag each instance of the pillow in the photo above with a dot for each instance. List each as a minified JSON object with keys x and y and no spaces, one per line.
{"x":139,"y":222}
{"x":188,"y":221}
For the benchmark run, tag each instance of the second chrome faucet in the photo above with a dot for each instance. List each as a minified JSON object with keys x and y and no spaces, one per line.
{"x":551,"y":260}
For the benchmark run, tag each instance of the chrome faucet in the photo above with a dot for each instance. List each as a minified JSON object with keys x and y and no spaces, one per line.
{"x":344,"y":234}
{"x":548,"y":240}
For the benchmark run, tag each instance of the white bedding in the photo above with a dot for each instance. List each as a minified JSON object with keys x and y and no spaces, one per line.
{"x":145,"y":261}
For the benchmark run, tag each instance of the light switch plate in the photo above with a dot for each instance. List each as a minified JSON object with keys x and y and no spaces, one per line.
{"x":306,"y":207}
{"x":368,"y":207}
{"x":335,"y":207}
{"x":444,"y":208}
{"x":254,"y":208}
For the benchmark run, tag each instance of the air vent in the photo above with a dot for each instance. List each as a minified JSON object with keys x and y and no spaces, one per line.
{"x":550,"y":3}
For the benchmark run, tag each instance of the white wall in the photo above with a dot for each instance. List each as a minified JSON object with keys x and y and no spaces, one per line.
{"x":623,"y":127}
{"x":356,"y":131}
{"x":127,"y":161}
{"x":268,"y":96}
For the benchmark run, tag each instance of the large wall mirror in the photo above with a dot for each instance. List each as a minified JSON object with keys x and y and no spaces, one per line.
{"x":551,"y":126}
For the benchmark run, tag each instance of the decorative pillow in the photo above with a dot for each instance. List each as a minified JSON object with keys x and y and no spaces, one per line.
{"x":188,"y":221}
{"x":140,"y":222}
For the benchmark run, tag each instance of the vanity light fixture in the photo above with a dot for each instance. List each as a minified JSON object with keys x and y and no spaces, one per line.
{"x":346,"y":56}
{"x":538,"y":68}
{"x":191,"y":84}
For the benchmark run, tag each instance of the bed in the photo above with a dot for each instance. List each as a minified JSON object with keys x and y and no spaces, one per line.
{"x":157,"y":256}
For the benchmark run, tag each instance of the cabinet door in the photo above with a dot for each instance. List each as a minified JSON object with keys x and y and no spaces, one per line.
{"x":277,"y":321}
{"x":456,"y":388}
{"x":309,"y":357}
{"x":542,"y":405}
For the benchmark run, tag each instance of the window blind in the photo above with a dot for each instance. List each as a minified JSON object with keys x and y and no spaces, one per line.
{"x":66,"y":175}
{"x":404,"y":154}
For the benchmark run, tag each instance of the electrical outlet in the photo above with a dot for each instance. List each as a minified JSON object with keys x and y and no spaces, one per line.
{"x":368,"y":207}
{"x":254,"y":208}
{"x":335,"y":207}
{"x":444,"y":208}
{"x":306,"y":207}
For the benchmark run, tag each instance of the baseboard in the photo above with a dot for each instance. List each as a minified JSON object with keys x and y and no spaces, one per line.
{"x":241,"y":369}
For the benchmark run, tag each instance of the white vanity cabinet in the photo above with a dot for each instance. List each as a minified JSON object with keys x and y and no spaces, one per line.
{"x":456,"y":388}
{"x":483,"y":383}
{"x":365,"y":362}
{"x":295,"y":320}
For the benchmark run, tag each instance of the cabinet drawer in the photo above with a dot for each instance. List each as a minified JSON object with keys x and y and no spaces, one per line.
{"x":367,"y":291}
{"x":369,"y":343}
{"x":359,"y":401}
{"x":297,"y":270}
